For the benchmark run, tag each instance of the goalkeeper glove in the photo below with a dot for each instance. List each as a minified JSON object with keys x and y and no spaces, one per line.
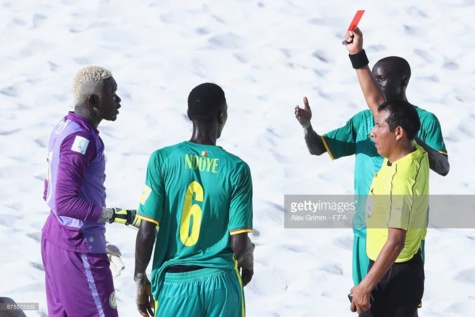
{"x":125,"y":216}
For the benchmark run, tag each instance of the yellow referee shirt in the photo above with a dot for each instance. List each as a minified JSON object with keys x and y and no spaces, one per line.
{"x":399,"y":198}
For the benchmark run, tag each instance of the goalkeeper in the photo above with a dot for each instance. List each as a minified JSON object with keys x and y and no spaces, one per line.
{"x":73,"y":247}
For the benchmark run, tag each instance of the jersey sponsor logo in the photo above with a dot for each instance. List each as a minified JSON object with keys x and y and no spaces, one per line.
{"x":145,"y":193}
{"x":112,"y":302}
{"x":80,"y":145}
{"x":202,"y":163}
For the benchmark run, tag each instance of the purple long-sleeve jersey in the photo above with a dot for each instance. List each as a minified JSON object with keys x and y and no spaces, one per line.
{"x":74,"y":187}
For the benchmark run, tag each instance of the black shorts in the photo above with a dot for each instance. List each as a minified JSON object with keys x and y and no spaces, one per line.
{"x":400,"y":290}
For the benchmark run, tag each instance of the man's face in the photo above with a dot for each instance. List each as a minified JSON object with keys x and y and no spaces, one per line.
{"x":109,"y":102}
{"x":384,"y":140}
{"x":390,"y":83}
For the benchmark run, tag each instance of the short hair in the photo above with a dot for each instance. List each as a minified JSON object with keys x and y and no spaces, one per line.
{"x":396,"y":64}
{"x":89,"y":81}
{"x":404,"y":114}
{"x":205,"y":101}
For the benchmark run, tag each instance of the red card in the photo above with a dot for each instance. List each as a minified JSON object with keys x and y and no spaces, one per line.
{"x":356,"y":20}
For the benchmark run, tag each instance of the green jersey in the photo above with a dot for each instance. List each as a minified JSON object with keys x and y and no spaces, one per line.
{"x":198,"y":195}
{"x":354,"y":139}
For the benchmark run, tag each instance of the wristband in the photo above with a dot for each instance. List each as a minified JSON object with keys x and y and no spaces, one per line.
{"x":359,"y":60}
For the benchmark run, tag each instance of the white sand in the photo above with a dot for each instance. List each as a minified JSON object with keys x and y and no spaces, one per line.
{"x":266,"y":55}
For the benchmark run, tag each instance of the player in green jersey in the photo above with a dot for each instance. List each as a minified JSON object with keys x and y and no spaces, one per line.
{"x":199,"y":198}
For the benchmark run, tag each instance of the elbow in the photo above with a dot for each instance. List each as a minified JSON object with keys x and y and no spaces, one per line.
{"x":400,"y":246}
{"x":397,"y":244}
{"x":317,"y":149}
{"x":317,"y":152}
{"x":443,"y":169}
{"x":446,"y":171}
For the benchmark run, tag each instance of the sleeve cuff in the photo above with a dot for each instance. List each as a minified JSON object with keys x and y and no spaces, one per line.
{"x":238,"y":231}
{"x":148,"y":219}
{"x":327,"y":148}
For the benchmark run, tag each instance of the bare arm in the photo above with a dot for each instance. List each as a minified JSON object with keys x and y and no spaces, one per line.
{"x":143,"y":253}
{"x":372,"y":92}
{"x":243,"y":248}
{"x":387,"y":257}
{"x":438,"y":162}
{"x":312,"y":139}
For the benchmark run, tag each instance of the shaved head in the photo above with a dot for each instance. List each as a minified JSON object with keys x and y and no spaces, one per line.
{"x":392,"y":74}
{"x":396,"y":65}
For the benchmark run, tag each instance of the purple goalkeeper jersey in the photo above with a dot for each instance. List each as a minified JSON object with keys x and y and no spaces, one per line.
{"x":74,"y":187}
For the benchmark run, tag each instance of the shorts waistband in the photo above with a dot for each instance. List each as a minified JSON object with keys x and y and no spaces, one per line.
{"x":183,"y":268}
{"x":194,"y":275}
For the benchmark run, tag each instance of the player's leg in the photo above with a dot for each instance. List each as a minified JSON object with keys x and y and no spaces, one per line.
{"x":360,"y":259}
{"x":405,"y":290}
{"x":49,"y":256}
{"x":423,"y":255}
{"x":100,"y":282}
{"x":84,"y":283}
{"x":224,"y":295}
{"x":378,"y":296}
{"x":423,"y":251}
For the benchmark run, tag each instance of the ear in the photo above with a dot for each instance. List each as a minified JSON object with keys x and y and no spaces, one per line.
{"x":221,"y":117}
{"x":93,"y":100}
{"x":405,"y":81}
{"x":399,"y":132}
{"x":93,"y":103}
{"x":223,"y":113}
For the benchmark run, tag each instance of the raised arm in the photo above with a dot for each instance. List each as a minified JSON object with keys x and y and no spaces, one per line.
{"x":312,"y":139}
{"x":372,"y":92}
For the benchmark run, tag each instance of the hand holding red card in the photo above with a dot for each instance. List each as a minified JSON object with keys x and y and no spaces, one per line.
{"x":354,"y":23}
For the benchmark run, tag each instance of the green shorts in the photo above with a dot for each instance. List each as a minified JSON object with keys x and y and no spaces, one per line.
{"x":204,"y":292}
{"x":360,"y":259}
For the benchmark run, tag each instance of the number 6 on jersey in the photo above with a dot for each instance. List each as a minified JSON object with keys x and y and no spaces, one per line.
{"x":190,"y":228}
